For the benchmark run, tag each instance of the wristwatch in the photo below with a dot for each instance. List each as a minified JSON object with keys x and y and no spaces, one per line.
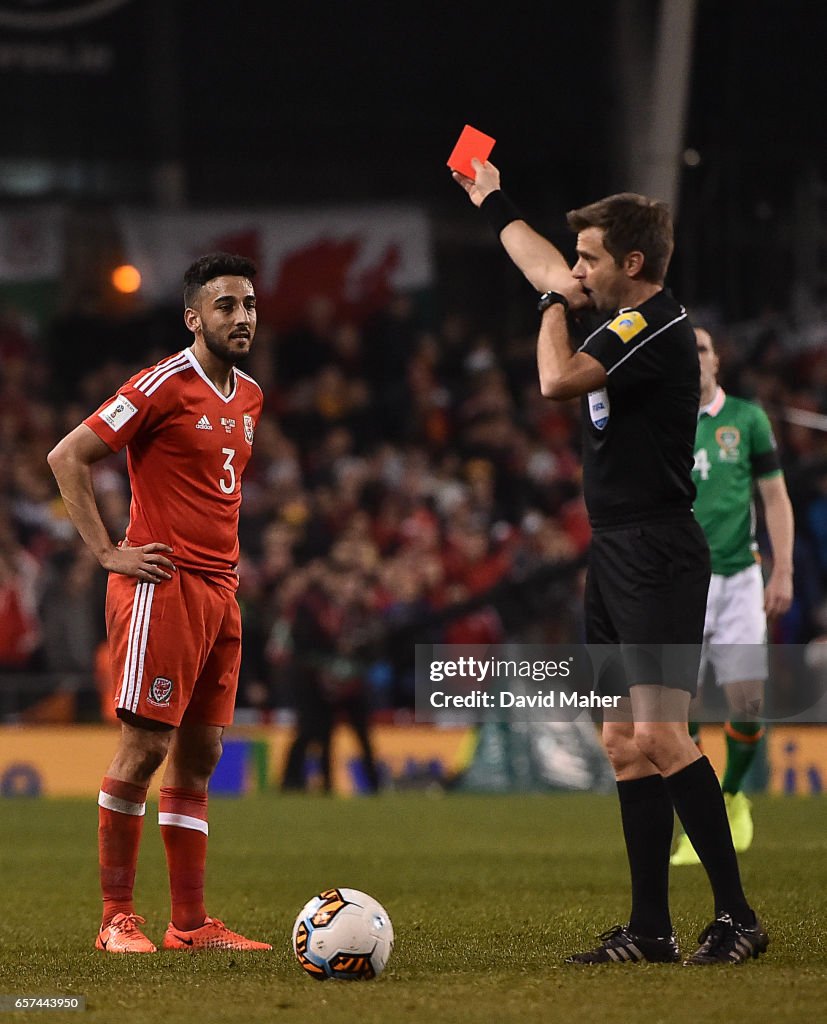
{"x":549,"y":299}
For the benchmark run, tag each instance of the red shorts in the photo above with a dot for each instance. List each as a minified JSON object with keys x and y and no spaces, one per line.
{"x":174,"y":648}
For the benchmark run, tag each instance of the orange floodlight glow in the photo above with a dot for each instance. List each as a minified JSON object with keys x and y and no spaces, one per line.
{"x":126,"y":279}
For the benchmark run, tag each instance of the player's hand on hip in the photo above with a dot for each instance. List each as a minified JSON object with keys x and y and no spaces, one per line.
{"x":144,"y":562}
{"x":487,"y":180}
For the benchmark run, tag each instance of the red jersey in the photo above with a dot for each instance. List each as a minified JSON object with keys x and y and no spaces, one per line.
{"x":187,"y":448}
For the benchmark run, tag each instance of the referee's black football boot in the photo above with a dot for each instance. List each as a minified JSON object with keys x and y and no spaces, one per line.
{"x":724,"y":942}
{"x":620,"y":946}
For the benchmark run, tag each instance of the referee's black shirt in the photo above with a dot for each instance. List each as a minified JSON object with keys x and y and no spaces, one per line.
{"x":639,"y":431}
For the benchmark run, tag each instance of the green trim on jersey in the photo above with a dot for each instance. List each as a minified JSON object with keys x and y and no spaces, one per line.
{"x":733,"y":447}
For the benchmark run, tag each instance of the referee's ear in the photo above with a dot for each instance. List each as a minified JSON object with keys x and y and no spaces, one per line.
{"x":633,"y":263}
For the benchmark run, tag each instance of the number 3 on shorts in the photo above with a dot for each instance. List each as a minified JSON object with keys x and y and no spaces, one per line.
{"x":228,"y":486}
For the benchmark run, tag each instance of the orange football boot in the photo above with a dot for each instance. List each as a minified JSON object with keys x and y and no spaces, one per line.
{"x":122,"y":935}
{"x":212,"y":934}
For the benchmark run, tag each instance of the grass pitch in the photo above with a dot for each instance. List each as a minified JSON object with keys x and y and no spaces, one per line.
{"x":486,"y":894}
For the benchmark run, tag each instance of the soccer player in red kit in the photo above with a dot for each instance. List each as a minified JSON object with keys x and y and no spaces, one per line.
{"x":172,"y":618}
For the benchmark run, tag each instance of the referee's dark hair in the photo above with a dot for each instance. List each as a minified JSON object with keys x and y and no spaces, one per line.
{"x":214,"y":264}
{"x":631,"y":223}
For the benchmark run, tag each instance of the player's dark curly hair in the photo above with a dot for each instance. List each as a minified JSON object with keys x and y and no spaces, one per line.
{"x":214,"y":264}
{"x":631,"y":223}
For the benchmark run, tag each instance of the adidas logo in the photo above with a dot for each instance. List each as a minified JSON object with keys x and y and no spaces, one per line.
{"x":203,"y":423}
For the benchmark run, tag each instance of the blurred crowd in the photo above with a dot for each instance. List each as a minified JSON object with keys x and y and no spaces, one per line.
{"x":408,"y":484}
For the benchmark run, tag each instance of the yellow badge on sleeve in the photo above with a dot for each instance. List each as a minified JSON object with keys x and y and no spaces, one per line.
{"x":628,"y":325}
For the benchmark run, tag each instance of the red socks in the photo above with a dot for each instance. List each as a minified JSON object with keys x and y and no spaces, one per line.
{"x":121,"y":809}
{"x":183,"y":820}
{"x":182,"y":816}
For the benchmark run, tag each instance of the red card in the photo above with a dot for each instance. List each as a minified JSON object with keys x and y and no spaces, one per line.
{"x":469,"y":144}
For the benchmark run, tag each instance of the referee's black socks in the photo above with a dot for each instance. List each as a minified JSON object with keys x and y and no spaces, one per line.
{"x":648,"y":818}
{"x":699,"y":803}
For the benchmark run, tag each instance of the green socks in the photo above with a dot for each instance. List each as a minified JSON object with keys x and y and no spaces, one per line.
{"x":742,"y":740}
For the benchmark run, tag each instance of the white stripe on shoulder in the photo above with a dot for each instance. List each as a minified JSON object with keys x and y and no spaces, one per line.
{"x":247,"y":376}
{"x":597,"y":331}
{"x":161,"y":380}
{"x":654,"y":334}
{"x":157,"y":370}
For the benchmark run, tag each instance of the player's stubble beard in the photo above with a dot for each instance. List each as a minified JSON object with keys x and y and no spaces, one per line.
{"x":222,"y":349}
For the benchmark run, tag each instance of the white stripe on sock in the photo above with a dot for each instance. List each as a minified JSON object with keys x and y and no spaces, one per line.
{"x":115,"y":803}
{"x":183,"y":821}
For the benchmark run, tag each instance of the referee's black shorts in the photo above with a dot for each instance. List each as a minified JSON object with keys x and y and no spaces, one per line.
{"x":646,"y":590}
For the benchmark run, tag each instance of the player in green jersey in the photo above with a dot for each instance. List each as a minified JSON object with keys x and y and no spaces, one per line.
{"x":735,"y":451}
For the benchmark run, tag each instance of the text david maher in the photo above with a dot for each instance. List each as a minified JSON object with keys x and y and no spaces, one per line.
{"x":507,"y":699}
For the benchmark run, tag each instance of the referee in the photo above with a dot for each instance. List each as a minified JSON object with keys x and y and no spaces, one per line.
{"x":649,"y":566}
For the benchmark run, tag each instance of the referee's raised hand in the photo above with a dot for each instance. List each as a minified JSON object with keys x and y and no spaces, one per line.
{"x":487,"y":180}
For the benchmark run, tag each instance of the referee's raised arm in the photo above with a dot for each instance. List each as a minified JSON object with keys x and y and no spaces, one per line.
{"x":563,"y":373}
{"x":542,"y":263}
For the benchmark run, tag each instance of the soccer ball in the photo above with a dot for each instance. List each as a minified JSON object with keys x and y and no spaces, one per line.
{"x":343,"y":934}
